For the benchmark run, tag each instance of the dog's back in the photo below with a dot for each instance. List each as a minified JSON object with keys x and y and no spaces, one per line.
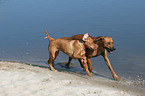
{"x":66,"y":46}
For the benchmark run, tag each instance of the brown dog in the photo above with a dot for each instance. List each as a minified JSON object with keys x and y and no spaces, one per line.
{"x":73,"y":48}
{"x":105,"y":44}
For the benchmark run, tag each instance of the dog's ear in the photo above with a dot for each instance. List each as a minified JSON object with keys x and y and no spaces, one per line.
{"x":85,"y":37}
{"x":98,"y":39}
{"x":45,"y":37}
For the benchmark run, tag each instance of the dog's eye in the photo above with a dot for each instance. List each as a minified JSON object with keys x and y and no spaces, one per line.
{"x":108,"y":43}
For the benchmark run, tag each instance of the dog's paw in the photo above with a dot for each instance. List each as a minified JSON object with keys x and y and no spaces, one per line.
{"x":116,"y":78}
{"x":88,"y":72}
{"x":54,"y":70}
{"x":67,"y":67}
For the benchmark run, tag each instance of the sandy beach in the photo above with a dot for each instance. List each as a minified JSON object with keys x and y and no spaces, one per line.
{"x":19,"y":79}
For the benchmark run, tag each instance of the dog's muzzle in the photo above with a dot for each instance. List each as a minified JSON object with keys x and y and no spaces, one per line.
{"x":110,"y":50}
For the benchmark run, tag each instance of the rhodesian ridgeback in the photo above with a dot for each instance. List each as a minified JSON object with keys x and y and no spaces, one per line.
{"x":73,"y":48}
{"x":105,"y":44}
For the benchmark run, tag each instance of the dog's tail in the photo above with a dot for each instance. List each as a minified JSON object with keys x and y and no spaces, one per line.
{"x":50,"y":38}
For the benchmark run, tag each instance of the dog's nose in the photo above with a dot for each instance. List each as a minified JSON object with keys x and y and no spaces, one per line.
{"x":114,"y":49}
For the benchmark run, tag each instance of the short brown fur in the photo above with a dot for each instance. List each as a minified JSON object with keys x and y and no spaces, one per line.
{"x":73,"y":48}
{"x":104,"y":44}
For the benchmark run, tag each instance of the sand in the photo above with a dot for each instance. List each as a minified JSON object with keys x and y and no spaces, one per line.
{"x":17,"y":79}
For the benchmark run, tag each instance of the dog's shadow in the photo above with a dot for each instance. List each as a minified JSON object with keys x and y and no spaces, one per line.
{"x":61,"y":67}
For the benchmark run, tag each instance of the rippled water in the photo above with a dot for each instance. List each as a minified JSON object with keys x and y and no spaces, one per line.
{"x":23,"y":24}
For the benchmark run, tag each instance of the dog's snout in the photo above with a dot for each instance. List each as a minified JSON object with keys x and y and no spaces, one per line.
{"x":113,"y":49}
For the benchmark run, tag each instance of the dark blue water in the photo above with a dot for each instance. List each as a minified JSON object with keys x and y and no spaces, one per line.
{"x":23,"y":24}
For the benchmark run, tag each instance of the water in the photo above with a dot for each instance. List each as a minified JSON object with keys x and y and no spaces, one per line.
{"x":23,"y":24}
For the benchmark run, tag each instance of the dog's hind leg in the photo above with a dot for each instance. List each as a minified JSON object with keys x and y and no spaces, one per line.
{"x":52,"y":57}
{"x":56,"y":54}
{"x":68,"y":63}
{"x":51,"y":63}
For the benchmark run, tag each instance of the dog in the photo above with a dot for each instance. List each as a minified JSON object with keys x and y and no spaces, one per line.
{"x":105,"y":44}
{"x":75,"y":49}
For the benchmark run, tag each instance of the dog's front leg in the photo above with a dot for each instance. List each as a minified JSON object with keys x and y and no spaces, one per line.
{"x":89,"y":64}
{"x":107,"y":61}
{"x":81,"y":55}
{"x":84,"y":62}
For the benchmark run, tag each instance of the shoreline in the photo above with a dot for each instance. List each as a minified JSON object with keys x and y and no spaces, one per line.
{"x":25,"y":79}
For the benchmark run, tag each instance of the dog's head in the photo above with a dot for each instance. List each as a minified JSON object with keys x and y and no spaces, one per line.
{"x":89,"y":42}
{"x":108,"y":44}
